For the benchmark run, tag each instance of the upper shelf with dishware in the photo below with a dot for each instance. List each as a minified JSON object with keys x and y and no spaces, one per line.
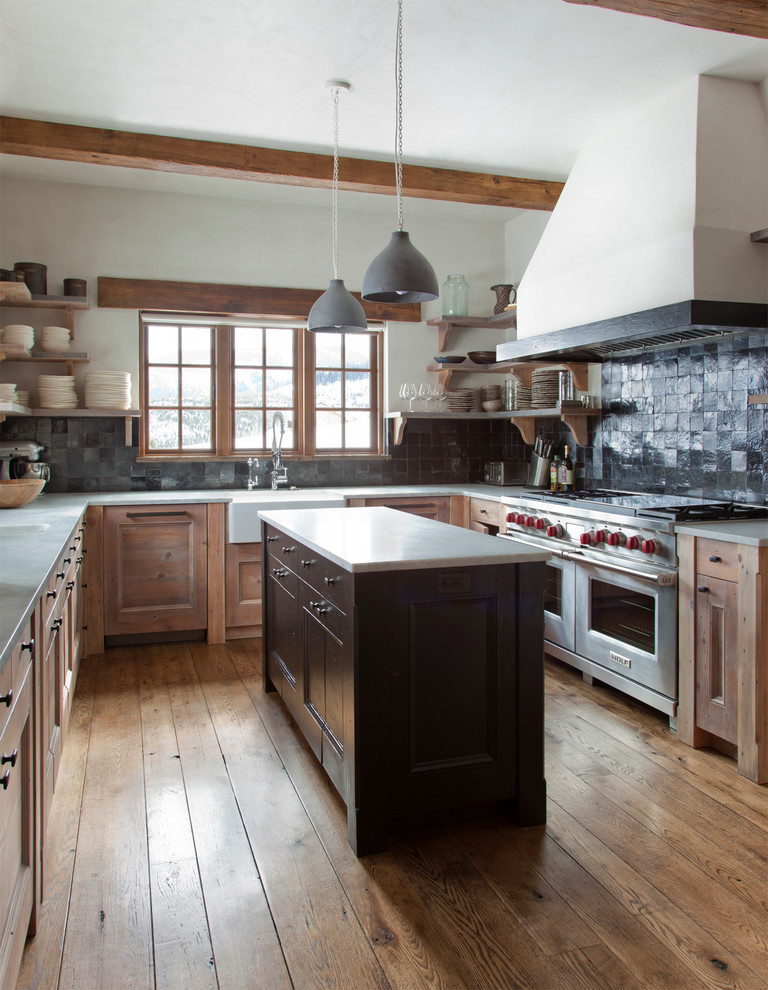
{"x":445,"y":324}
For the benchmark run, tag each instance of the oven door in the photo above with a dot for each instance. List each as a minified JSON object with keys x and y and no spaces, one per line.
{"x":627,"y":623}
{"x":560,"y":603}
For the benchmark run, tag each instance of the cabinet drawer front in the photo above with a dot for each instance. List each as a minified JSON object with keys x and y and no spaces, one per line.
{"x":483,"y":511}
{"x":327,"y":580}
{"x":718,"y":559}
{"x":326,"y":613}
{"x":283,"y":575}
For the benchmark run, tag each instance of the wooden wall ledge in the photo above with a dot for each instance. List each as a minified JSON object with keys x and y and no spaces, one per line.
{"x":232,"y":300}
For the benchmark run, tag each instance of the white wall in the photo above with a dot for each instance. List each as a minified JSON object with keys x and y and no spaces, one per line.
{"x":86,"y":231}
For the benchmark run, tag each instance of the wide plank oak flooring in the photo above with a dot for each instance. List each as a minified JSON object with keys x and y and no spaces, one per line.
{"x":195,"y":842}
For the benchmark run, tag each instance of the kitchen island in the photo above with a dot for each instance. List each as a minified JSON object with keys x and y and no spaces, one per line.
{"x":410,"y":655}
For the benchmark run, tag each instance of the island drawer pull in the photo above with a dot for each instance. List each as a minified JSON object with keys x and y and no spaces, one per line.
{"x":308,"y":563}
{"x":7,"y":699}
{"x":280,"y":572}
{"x":320,"y":607}
{"x":70,"y":585}
{"x":50,"y":594}
{"x":28,"y":646}
{"x":57,"y":624}
{"x":10,"y":759}
{"x":60,"y":575}
{"x":272,"y":539}
{"x":330,"y":580}
{"x":4,"y":779}
{"x":289,"y":549}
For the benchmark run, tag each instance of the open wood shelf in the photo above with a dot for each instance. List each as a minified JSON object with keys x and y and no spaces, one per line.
{"x":14,"y":352}
{"x":575,"y":418}
{"x":444,"y":324}
{"x":522,"y":370}
{"x":17,"y":294}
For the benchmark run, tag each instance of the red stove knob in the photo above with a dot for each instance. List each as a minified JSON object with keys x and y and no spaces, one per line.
{"x":556,"y":531}
{"x":520,"y":519}
{"x":585,"y":539}
{"x":541,"y":524}
{"x":615,"y":539}
{"x":510,"y":517}
{"x":529,"y":520}
{"x":648,"y":546}
{"x":599,"y":536}
{"x":633,"y":543}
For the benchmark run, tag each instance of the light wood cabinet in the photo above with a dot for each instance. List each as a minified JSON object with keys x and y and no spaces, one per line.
{"x":723,"y":650}
{"x":430,"y":507}
{"x":17,"y":804}
{"x":486,"y":516}
{"x":243,"y":589}
{"x":155,"y":569}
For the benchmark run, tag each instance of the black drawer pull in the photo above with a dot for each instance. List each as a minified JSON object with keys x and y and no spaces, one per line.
{"x":57,"y":624}
{"x":70,"y":585}
{"x":60,"y":575}
{"x":308,"y":563}
{"x":7,"y":699}
{"x":714,"y":559}
{"x":289,"y":549}
{"x":271,"y":539}
{"x":320,"y":607}
{"x":702,"y":588}
{"x":4,"y":779}
{"x":280,"y":572}
{"x":10,"y":759}
{"x":79,"y":560}
{"x":330,"y":580}
{"x":50,"y":594}
{"x":28,"y":646}
{"x":67,"y":560}
{"x":483,"y":512}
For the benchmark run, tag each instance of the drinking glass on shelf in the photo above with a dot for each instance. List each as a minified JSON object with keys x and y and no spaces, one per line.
{"x":425,"y":395}
{"x":409,"y":393}
{"x":439,"y":394}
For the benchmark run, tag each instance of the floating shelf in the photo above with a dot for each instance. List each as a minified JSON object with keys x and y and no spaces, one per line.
{"x":17,"y":294}
{"x":522,"y":370}
{"x":759,"y":236}
{"x":14,"y":352}
{"x":576,"y":419}
{"x":444,"y":324}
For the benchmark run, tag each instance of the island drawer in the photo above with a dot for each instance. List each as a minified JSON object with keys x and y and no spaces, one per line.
{"x":717,"y":559}
{"x":278,"y":570}
{"x":326,"y":613}
{"x":328,"y":580}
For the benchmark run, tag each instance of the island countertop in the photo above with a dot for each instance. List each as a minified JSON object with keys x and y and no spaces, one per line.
{"x":383,"y":539}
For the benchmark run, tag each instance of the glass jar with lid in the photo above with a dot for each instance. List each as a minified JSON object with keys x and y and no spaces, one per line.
{"x":455,"y":296}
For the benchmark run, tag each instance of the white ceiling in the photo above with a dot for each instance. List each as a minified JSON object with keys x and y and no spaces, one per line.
{"x":507,"y":86}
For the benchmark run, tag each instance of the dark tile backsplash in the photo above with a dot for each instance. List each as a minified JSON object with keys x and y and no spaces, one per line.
{"x":673,"y":420}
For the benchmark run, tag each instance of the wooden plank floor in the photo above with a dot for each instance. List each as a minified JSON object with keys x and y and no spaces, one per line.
{"x":195,"y":842}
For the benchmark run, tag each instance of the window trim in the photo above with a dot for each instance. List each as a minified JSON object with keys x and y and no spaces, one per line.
{"x":223,"y":410}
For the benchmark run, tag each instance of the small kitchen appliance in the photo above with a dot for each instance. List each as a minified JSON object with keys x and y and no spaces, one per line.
{"x":21,"y":459}
{"x":504,"y":473}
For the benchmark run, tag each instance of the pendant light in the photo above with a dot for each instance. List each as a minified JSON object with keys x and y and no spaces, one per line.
{"x":337,"y":310}
{"x":401,"y":273}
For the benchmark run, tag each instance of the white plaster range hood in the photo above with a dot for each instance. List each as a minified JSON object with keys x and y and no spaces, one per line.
{"x":649,"y":244}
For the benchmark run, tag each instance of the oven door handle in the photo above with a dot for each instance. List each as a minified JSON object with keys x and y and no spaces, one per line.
{"x":531,"y":543}
{"x":665,"y":579}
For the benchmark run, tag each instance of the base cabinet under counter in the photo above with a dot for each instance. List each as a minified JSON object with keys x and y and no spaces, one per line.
{"x":420,"y":691}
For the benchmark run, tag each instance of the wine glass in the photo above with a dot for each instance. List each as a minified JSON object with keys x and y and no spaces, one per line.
{"x":409,"y":393}
{"x":425,"y":395}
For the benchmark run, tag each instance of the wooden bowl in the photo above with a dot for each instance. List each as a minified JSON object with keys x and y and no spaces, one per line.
{"x":482,"y":357}
{"x":19,"y":491}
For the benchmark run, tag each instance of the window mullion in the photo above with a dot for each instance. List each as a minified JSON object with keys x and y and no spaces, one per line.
{"x":223,"y":405}
{"x":307,"y":399}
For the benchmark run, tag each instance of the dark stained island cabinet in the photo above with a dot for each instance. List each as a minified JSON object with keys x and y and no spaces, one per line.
{"x":410,"y":655}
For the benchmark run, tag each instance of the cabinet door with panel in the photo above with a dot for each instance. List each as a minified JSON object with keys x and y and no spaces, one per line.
{"x":717,"y":681}
{"x":17,"y":824}
{"x":243,"y":589}
{"x":155,"y":561}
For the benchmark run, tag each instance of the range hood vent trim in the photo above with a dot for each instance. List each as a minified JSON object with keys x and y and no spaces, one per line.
{"x":678,"y":325}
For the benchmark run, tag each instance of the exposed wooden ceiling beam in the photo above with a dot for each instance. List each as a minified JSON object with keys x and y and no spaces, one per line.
{"x":748,"y":17}
{"x":73,"y":143}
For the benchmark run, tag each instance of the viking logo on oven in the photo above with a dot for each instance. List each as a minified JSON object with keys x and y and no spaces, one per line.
{"x":618,"y":658}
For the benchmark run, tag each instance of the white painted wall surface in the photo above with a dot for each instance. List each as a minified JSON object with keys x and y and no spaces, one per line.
{"x":85,"y":231}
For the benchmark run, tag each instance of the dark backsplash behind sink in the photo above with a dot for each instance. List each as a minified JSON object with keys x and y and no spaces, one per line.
{"x":673,"y":420}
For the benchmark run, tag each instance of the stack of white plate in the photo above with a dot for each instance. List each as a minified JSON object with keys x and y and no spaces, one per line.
{"x":8,"y":392}
{"x":54,"y":339}
{"x":17,"y":333}
{"x":523,"y":397}
{"x":56,"y":391}
{"x":461,"y":399}
{"x":22,"y":397}
{"x":545,"y":388}
{"x":107,"y":390}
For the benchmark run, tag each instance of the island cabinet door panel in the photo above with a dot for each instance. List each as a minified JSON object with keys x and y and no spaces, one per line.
{"x":716,"y":657}
{"x":155,"y":569}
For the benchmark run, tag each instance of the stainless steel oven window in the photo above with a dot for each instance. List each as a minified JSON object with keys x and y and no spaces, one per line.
{"x":627,"y":616}
{"x":553,"y":591}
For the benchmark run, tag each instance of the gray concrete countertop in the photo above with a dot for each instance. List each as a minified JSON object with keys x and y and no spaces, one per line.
{"x":752,"y":532}
{"x":380,"y":539}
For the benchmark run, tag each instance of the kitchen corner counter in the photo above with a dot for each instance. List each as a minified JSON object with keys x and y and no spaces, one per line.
{"x":381,"y":539}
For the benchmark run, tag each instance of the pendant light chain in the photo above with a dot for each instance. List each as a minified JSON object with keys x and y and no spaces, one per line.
{"x":399,"y":137}
{"x":335,"y":187}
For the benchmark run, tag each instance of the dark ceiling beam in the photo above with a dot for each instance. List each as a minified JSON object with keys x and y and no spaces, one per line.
{"x":748,"y":17}
{"x":156,"y":152}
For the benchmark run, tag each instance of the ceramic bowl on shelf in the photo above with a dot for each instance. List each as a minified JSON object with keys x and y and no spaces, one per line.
{"x":492,"y":405}
{"x":482,"y":357}
{"x":449,"y":358}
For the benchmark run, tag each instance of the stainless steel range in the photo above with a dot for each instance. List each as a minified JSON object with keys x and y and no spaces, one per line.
{"x":611,"y":592}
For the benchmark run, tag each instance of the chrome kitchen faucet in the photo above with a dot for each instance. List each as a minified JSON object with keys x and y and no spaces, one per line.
{"x":279,"y":471}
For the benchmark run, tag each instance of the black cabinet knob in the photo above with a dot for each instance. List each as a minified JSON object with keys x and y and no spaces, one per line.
{"x":703,"y":588}
{"x":308,"y":563}
{"x":28,"y":646}
{"x":10,"y":759}
{"x":60,"y":575}
{"x":4,"y":779}
{"x":57,"y":623}
{"x":330,"y":580}
{"x":714,"y":559}
{"x":271,"y":539}
{"x":289,"y":549}
{"x":6,"y":699}
{"x":50,"y":594}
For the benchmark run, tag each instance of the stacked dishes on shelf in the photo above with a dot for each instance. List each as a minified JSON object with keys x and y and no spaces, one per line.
{"x":18,"y":334}
{"x":8,"y":392}
{"x":56,"y":391}
{"x":545,"y":388}
{"x":107,"y":390}
{"x":523,"y":397}
{"x":461,"y":399}
{"x":54,"y":339}
{"x":490,"y":398}
{"x":22,"y":397}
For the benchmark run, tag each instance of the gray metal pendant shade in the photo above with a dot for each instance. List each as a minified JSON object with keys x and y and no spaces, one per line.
{"x":400,"y":274}
{"x":337,"y":311}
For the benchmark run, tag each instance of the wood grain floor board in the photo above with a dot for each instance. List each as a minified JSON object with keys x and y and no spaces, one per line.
{"x":246,"y":947}
{"x":109,"y":929}
{"x":185,"y":788}
{"x":182,"y":944}
{"x":322,"y":940}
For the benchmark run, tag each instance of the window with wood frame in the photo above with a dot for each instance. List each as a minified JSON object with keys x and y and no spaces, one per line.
{"x":210,"y":389}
